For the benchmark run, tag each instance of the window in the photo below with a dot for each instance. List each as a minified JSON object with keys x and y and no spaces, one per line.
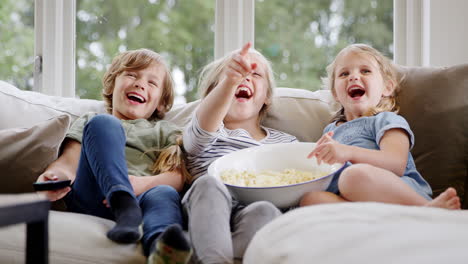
{"x":182,"y":31}
{"x":17,"y":46}
{"x":301,"y":37}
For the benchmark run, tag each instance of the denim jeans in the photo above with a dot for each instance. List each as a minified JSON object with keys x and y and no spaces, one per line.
{"x":102,"y":171}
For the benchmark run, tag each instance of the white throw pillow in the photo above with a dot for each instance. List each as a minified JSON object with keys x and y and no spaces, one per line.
{"x":25,"y":108}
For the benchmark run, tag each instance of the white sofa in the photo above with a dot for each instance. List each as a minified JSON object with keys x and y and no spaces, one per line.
{"x":434,"y":100}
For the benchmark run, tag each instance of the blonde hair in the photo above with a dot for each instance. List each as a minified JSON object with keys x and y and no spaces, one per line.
{"x":386,"y":68}
{"x":211,"y":75}
{"x":172,"y":158}
{"x":137,"y":60}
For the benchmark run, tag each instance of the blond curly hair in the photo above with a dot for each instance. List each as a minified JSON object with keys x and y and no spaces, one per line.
{"x":136,"y":60}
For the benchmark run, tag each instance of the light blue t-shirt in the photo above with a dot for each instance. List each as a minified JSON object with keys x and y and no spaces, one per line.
{"x":366,"y":132}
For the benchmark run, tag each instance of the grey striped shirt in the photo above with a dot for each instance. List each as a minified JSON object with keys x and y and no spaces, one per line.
{"x":204,"y":147}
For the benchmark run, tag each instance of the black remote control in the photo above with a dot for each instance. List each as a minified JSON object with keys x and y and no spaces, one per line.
{"x":51,"y":185}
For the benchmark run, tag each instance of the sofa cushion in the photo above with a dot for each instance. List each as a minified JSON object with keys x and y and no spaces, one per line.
{"x":74,"y":239}
{"x":301,"y":113}
{"x":26,"y":152}
{"x":26,"y":108}
{"x":435,"y":103}
{"x":362,"y":233}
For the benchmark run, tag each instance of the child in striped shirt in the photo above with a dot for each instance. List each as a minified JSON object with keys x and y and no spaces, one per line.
{"x":237,"y":91}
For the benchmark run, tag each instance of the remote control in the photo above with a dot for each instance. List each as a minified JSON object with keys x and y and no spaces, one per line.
{"x":51,"y":185}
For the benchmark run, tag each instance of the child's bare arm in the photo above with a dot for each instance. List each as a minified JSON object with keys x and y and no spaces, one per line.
{"x":215,"y":105}
{"x":392,"y":156}
{"x":64,"y":168}
{"x":141,"y":184}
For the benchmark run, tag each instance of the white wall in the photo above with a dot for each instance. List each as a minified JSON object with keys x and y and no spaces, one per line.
{"x":449,"y":32}
{"x":430,"y":32}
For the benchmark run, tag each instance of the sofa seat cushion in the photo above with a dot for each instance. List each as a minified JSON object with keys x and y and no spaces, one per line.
{"x":73,"y":239}
{"x":362,"y":233}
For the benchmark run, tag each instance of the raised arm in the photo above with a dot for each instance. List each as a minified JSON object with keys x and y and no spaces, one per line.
{"x":64,"y":168}
{"x":392,"y":156}
{"x":215,"y":105}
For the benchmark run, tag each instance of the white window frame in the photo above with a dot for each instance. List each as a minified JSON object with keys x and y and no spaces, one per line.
{"x":411,"y":32}
{"x":54,"y":47}
{"x":234,"y":25}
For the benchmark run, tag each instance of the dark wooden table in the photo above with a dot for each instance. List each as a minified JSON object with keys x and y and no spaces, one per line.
{"x":33,"y":210}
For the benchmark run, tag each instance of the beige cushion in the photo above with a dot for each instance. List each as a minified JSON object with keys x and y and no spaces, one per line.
{"x":435,"y":103}
{"x":73,"y":239}
{"x":181,"y":114}
{"x":25,"y":108}
{"x":299,"y":112}
{"x":26,"y":152}
{"x":362,"y":233}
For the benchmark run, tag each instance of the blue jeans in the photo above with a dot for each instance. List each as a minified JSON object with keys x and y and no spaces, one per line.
{"x":102,"y":171}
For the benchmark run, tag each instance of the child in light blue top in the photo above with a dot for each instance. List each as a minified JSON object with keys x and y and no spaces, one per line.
{"x":365,"y":132}
{"x":369,"y":134}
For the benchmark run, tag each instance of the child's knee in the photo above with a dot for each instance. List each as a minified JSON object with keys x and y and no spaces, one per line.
{"x":103,"y":119}
{"x":262,"y":209}
{"x":103,"y":123}
{"x":207,"y":184}
{"x":161,"y":192}
{"x":354,"y":176}
{"x":207,"y":189}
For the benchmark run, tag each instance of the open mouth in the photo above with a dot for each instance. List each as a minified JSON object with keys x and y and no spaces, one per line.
{"x":356,"y":92}
{"x":243,"y":92}
{"x":136,"y":98}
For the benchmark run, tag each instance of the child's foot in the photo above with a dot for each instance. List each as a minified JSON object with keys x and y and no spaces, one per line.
{"x":171,"y":247}
{"x":127,"y":217}
{"x":448,"y":200}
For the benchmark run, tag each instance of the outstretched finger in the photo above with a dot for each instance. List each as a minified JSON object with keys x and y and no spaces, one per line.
{"x":328,"y":137}
{"x":245,"y":49}
{"x":240,"y":65}
{"x":321,"y":140}
{"x":315,"y":151}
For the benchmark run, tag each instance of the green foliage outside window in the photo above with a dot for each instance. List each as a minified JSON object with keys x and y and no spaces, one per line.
{"x":302,"y":37}
{"x":17,"y":42}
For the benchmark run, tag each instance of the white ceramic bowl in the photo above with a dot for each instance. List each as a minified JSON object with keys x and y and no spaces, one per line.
{"x":275,"y":157}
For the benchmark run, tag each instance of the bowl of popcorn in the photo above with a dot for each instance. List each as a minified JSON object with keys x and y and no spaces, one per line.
{"x":279,"y":173}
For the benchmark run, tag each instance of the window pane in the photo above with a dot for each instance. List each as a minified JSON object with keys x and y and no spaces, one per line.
{"x":182,"y":31}
{"x":17,"y":42}
{"x":301,"y":37}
